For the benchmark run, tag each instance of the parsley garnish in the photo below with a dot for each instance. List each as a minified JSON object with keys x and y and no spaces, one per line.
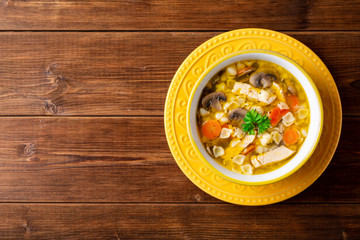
{"x":254,"y":120}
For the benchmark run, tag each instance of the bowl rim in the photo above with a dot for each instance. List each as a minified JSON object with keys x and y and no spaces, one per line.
{"x":208,"y":70}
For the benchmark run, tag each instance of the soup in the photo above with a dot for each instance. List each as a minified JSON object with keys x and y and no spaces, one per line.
{"x":253,"y":117}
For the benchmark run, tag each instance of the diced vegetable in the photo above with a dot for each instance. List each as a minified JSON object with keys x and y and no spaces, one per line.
{"x":249,"y":149}
{"x":211,"y":129}
{"x":276,"y":114}
{"x":242,"y":71}
{"x":293,"y":101}
{"x":291,"y":136}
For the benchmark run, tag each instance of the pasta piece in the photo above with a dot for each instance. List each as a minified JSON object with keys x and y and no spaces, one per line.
{"x":224,"y":120}
{"x":265,"y":139}
{"x":239,"y":159}
{"x":231,"y":105}
{"x":218,"y":151}
{"x":247,"y":169}
{"x":303,"y":132}
{"x":288,"y":119}
{"x":302,"y":113}
{"x":231,"y":70}
{"x":219,"y":115}
{"x":203,"y":112}
{"x":225,"y":133}
{"x":277,"y":137}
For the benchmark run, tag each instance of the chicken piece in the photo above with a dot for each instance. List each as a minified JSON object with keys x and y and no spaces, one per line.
{"x":275,"y":155}
{"x":247,"y":140}
{"x":254,"y":94}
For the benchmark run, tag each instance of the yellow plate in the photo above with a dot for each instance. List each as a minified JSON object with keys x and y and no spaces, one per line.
{"x":176,"y":110}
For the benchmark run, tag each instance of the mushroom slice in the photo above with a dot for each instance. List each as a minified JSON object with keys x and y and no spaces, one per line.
{"x":276,"y":155}
{"x":262,"y":79}
{"x":213,"y":100}
{"x":208,"y":149}
{"x":237,"y":114}
{"x":218,"y":151}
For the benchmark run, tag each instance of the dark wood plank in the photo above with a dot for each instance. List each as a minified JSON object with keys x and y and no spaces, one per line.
{"x":178,"y":15}
{"x":185,"y":221}
{"x":128,"y":73}
{"x":127,"y":160}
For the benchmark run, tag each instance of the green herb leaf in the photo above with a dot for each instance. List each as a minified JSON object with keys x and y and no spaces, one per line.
{"x":254,"y":120}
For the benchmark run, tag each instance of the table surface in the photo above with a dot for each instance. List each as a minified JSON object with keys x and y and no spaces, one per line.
{"x":83,"y":153}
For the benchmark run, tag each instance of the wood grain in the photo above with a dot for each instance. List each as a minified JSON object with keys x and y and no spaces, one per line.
{"x":128,"y":73}
{"x":178,"y":15}
{"x":127,"y":160}
{"x":184,"y":221}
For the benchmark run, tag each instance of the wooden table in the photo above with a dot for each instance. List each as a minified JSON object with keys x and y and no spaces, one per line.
{"x":83,"y":153}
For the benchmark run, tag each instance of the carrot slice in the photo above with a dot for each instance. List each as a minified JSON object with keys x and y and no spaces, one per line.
{"x":244,"y":70}
{"x":283,"y":112}
{"x":293,"y":102}
{"x":291,"y":136}
{"x":211,"y":129}
{"x":249,"y":149}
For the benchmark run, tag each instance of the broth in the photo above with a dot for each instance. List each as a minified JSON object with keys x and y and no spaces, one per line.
{"x":253,"y":117}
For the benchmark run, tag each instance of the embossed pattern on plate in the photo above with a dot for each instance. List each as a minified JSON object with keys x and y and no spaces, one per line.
{"x":176,"y":109}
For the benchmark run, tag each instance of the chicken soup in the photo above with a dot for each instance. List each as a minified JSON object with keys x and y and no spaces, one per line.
{"x":253,"y":116}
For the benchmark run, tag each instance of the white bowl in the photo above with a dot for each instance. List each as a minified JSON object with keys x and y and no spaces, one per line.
{"x":314,"y":131}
